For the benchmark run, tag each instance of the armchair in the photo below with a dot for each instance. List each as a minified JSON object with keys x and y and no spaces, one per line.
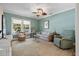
{"x":65,"y":40}
{"x":21,"y":36}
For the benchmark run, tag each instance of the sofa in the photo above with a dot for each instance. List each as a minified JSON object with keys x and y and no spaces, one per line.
{"x":43,"y":35}
{"x":65,"y":40}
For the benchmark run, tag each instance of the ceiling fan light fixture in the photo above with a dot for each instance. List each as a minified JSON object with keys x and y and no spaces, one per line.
{"x":40,"y":12}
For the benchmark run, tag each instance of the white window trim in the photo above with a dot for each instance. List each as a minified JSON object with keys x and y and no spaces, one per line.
{"x":21,"y":25}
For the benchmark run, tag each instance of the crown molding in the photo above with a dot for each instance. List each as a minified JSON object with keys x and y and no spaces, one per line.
{"x":54,"y":13}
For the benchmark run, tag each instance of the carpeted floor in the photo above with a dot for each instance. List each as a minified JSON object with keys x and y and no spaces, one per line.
{"x":32,"y":47}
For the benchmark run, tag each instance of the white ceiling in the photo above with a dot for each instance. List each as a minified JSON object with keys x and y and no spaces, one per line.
{"x":26,"y":9}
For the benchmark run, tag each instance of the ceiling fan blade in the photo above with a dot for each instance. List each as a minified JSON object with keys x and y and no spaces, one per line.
{"x":44,"y":13}
{"x":34,"y":12}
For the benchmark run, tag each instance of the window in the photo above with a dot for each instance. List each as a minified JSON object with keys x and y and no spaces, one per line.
{"x":19,"y":25}
{"x":26,"y":26}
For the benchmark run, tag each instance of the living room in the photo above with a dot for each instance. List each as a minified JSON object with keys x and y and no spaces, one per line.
{"x":49,"y":28}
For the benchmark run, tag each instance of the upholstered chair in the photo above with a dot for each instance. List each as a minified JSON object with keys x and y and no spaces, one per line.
{"x":65,"y":40}
{"x":21,"y":36}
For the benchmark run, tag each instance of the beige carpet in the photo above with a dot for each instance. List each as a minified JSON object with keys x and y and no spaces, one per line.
{"x":38,"y":47}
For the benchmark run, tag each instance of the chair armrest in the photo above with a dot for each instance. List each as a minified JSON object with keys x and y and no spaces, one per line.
{"x":57,"y":36}
{"x":66,"y":40}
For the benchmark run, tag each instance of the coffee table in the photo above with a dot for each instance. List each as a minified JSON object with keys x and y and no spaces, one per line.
{"x":36,"y":36}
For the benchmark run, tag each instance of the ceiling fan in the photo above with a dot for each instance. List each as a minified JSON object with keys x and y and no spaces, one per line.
{"x":40,"y":12}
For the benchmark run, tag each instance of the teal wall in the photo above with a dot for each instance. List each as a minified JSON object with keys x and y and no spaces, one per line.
{"x":8,"y":21}
{"x":59,"y":22}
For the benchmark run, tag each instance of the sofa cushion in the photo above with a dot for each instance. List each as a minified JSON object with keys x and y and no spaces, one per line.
{"x":44,"y":35}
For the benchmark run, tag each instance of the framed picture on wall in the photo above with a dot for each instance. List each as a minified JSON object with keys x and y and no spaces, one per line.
{"x":46,"y":24}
